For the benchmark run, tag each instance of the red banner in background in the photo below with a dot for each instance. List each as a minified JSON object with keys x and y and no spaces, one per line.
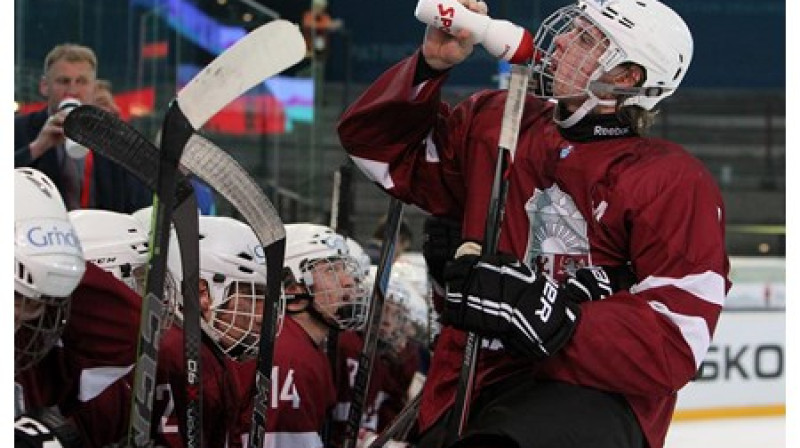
{"x":155,"y":50}
{"x":136,"y":103}
{"x":247,"y":115}
{"x":132,"y":104}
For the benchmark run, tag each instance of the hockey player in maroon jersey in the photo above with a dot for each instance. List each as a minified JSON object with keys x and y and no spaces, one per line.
{"x":392,"y":341}
{"x":232,"y":287}
{"x":72,"y":392}
{"x":320,"y":293}
{"x":586,"y":188}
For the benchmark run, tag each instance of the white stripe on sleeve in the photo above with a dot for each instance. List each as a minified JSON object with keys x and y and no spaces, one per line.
{"x":431,"y":152}
{"x":375,"y":171}
{"x":292,"y":439}
{"x":708,"y":285}
{"x":95,"y":380}
{"x":693,"y":328}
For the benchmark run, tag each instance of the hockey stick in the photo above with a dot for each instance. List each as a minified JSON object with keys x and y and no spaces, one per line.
{"x":152,"y":303}
{"x":236,"y":70}
{"x":401,"y":422}
{"x":507,"y":147}
{"x":370,"y":347}
{"x":332,"y":343}
{"x":232,"y":73}
{"x":226,"y":176}
{"x":123,"y":144}
{"x":335,"y":199}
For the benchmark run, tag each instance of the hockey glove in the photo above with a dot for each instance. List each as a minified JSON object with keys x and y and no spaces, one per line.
{"x":45,"y":427}
{"x":500,"y":297}
{"x":598,"y":282}
{"x":441,"y":238}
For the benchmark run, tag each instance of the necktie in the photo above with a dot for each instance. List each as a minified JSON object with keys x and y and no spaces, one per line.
{"x":86,"y":187}
{"x":70,"y":179}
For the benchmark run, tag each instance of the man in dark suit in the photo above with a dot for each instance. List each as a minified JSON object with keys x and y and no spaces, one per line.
{"x":39,"y":141}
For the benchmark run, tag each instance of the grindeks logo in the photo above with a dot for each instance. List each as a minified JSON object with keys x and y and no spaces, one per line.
{"x":40,"y":237}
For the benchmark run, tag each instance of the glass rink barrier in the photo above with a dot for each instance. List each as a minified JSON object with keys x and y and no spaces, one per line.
{"x":738,"y":397}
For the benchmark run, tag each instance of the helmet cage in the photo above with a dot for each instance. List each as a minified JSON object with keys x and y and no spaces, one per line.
{"x":235,"y":320}
{"x":561,"y":78}
{"x":333,"y":286}
{"x":393,"y":330}
{"x":38,"y":324}
{"x":232,"y":268}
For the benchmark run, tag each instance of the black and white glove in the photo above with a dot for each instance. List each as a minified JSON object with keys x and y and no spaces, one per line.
{"x":45,"y":428}
{"x":441,"y":238}
{"x":500,"y":297}
{"x":598,"y":282}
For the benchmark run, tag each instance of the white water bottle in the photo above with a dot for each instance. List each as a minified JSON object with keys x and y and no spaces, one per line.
{"x":74,"y":149}
{"x":500,"y":38}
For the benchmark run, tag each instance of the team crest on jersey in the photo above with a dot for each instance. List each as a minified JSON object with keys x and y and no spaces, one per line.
{"x":558,"y":242}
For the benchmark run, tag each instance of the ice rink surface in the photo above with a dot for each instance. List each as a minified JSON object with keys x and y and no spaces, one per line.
{"x":762,"y":432}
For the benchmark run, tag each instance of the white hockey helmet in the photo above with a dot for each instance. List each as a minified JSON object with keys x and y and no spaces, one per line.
{"x":411,"y":268}
{"x":414,"y":269}
{"x":319,"y":260}
{"x":144,"y":216}
{"x":174,"y":268}
{"x":116,"y":242}
{"x":393,"y":331}
{"x":643,"y":32}
{"x":119,"y":244}
{"x":360,"y":255}
{"x":48,"y":262}
{"x":232,"y":265}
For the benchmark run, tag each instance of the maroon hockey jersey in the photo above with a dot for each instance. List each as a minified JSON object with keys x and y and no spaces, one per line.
{"x":88,"y":375}
{"x":349,"y":351}
{"x":600,"y":197}
{"x":302,"y":391}
{"x":222,"y":394}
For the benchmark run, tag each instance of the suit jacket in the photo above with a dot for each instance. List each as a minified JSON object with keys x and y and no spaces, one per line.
{"x":113,"y":187}
{"x":26,"y":128}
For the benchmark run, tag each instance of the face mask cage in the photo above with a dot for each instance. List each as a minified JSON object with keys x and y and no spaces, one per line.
{"x":236,"y":321}
{"x":570,"y":53}
{"x":337,"y":294}
{"x":394,"y":323}
{"x":135,"y":278}
{"x":38,"y":324}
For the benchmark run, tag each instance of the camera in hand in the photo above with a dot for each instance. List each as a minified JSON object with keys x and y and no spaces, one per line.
{"x":74,"y":149}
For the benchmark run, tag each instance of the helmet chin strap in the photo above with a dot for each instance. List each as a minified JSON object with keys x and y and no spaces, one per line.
{"x":591,"y":102}
{"x":310,"y":309}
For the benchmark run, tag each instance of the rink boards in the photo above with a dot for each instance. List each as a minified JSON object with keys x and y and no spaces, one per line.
{"x":744,"y":371}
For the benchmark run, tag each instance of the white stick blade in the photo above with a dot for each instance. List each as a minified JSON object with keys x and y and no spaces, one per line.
{"x":264,"y":52}
{"x":515,"y":102}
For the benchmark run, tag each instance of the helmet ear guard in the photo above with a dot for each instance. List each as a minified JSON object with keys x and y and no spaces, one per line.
{"x":116,"y":242}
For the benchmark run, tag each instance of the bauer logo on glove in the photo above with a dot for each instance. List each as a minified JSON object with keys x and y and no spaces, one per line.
{"x":500,"y":297}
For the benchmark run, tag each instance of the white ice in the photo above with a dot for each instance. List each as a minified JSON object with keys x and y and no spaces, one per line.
{"x":762,"y":432}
